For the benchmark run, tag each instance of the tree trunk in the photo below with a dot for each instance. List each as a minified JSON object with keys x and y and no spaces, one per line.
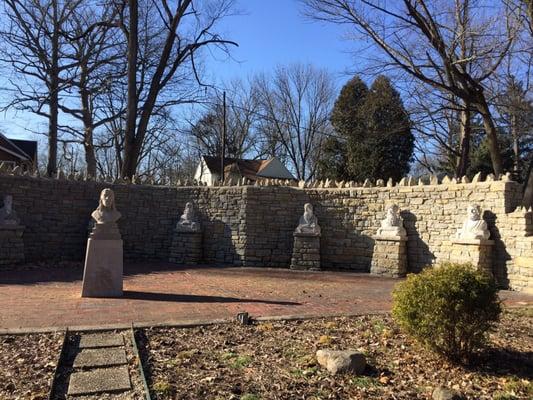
{"x":527,"y":200}
{"x":516,"y":147}
{"x":88,"y":125}
{"x":492,"y":136}
{"x":464,"y":145}
{"x":51,"y":168}
{"x":131,"y":154}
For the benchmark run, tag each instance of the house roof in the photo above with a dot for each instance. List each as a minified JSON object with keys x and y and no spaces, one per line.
{"x":29,"y":147}
{"x":248,"y":168}
{"x":10,"y":146}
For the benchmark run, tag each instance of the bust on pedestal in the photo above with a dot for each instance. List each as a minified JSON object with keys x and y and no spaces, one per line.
{"x":390,"y":246}
{"x":187,"y":239}
{"x":306,"y":250}
{"x":471,"y":242}
{"x":103,"y":273}
{"x":11,"y":231}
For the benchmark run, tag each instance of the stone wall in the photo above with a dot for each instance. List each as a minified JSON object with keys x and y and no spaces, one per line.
{"x":56,"y":214}
{"x":253,"y":225}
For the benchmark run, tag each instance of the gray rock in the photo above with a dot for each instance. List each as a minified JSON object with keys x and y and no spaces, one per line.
{"x":443,"y":393}
{"x":341,"y":361}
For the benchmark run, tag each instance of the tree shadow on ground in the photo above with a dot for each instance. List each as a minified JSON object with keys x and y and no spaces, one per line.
{"x":500,"y":361}
{"x":190,"y":298}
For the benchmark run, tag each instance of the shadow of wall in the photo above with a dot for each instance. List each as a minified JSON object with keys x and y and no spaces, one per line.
{"x":347,"y":219}
{"x":419,"y":254}
{"x":272,"y":215}
{"x":223,"y":219}
{"x":500,"y":255}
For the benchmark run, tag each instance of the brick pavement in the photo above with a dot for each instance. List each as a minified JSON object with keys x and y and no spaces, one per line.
{"x":162,"y":293}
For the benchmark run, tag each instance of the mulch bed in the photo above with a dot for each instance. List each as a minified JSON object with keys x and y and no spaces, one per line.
{"x":27,"y":364}
{"x":276,"y":360}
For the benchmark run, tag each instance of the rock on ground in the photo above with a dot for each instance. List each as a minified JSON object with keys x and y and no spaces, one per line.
{"x":341,"y":361}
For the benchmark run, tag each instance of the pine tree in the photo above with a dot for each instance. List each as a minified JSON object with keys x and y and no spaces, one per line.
{"x":375,"y":139}
{"x":346,"y":121}
{"x":387,"y":148}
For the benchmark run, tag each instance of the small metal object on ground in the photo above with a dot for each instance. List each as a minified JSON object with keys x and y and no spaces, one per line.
{"x":243,"y":318}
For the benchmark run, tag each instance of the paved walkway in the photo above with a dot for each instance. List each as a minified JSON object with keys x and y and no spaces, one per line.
{"x":50,"y":298}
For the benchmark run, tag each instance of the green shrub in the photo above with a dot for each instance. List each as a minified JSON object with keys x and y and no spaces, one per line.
{"x":449,"y":308}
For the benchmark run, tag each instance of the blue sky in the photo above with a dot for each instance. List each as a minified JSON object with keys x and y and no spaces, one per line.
{"x":275,"y":32}
{"x":269,"y":33}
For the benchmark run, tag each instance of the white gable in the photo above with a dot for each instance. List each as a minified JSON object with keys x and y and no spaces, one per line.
{"x":275,"y":169}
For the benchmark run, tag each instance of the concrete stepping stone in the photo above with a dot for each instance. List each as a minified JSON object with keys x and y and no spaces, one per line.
{"x":100,"y":357}
{"x":99,"y":380}
{"x":95,"y":340}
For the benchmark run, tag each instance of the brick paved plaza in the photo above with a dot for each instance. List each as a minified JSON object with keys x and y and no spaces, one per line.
{"x":48,"y":298}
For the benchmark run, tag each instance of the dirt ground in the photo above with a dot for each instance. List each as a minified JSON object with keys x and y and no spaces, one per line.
{"x":276,"y":361}
{"x":27,"y":365}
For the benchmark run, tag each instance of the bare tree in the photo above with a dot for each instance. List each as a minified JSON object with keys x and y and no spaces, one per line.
{"x":32,"y":46}
{"x":242,"y":114}
{"x":98,"y":52}
{"x":296,"y":103}
{"x":188,"y":27}
{"x":449,"y":45}
{"x":528,"y":23}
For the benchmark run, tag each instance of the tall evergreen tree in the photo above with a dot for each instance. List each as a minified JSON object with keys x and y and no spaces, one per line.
{"x":387,"y":148}
{"x":375,"y":139}
{"x":347,"y":122}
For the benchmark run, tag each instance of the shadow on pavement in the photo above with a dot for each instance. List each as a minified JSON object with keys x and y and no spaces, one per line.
{"x":190,"y":298}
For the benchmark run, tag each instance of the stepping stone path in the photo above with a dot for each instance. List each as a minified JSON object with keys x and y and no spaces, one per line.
{"x":100,"y":365}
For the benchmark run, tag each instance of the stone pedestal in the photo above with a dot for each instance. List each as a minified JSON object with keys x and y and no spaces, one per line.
{"x":390,"y":256}
{"x":11,"y":244}
{"x":103,"y":273}
{"x":186,"y":248}
{"x":306,"y":252}
{"x":478,"y":252}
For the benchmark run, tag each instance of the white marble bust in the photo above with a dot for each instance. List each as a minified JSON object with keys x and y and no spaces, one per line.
{"x":392,"y":225}
{"x":474,"y":226}
{"x":308,"y":222}
{"x":8,"y":216}
{"x":106,"y":211}
{"x":187,"y":221}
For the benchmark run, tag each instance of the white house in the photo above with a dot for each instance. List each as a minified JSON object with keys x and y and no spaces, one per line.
{"x":208,"y":169}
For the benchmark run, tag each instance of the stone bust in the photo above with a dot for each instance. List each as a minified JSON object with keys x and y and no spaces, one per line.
{"x":308,"y":222}
{"x":187,"y":221}
{"x":474,"y":226}
{"x":392,"y":225}
{"x":8,"y":216}
{"x":106,"y":211}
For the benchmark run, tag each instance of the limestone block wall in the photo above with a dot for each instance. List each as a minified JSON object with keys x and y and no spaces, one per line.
{"x":253,"y":225}
{"x":56,"y":214}
{"x":514,"y":249}
{"x":272,"y":214}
